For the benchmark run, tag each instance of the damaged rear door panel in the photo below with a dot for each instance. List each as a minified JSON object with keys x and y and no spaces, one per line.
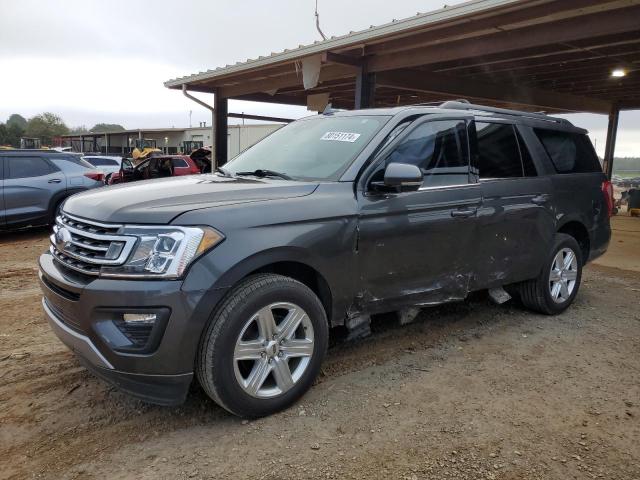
{"x":516,"y":224}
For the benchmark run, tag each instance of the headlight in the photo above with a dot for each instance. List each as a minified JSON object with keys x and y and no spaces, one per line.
{"x":163,"y":252}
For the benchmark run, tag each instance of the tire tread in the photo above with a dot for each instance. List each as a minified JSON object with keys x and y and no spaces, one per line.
{"x":237,"y":295}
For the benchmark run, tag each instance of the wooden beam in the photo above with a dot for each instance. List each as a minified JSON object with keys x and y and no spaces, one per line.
{"x":282,"y":99}
{"x":437,"y":83}
{"x":330,"y":57}
{"x":327,"y":73}
{"x":594,"y":25}
{"x":483,"y":23}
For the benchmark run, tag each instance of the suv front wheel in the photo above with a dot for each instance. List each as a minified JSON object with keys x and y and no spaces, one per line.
{"x":264,"y":345}
{"x":557,"y":285}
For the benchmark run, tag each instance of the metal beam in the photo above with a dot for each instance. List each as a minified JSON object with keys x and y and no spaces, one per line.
{"x":612,"y":133}
{"x":262,"y":118}
{"x":365,"y":88}
{"x":221,"y":129}
{"x":593,"y":25}
{"x":418,"y":81}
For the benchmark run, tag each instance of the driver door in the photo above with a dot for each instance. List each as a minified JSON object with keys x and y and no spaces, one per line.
{"x":416,"y":248}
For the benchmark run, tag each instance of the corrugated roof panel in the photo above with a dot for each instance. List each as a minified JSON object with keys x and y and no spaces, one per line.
{"x":352,"y":38}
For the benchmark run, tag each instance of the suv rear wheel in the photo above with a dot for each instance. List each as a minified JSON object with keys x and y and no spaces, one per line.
{"x":264,"y":345}
{"x":557,"y":285}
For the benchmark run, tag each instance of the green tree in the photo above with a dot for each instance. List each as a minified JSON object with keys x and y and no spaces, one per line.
{"x":10,"y":134}
{"x":46,"y":126}
{"x":18,"y":120}
{"x":106,"y":127}
{"x":78,"y":130}
{"x":4,"y":135}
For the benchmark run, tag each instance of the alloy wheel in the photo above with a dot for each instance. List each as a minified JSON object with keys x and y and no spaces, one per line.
{"x":273,"y":350}
{"x":563,"y":275}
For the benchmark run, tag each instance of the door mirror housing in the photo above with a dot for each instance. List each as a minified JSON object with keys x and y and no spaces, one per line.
{"x":403,"y":177}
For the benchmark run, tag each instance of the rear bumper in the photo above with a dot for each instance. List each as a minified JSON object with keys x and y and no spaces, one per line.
{"x":600,"y":238}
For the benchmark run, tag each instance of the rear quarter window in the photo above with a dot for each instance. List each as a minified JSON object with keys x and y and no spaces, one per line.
{"x":72,"y":164}
{"x":569,"y":152}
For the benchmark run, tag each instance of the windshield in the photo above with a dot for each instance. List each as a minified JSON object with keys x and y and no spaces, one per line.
{"x":318,"y":148}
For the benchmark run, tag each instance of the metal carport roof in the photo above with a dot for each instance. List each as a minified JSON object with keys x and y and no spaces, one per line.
{"x":551,"y":55}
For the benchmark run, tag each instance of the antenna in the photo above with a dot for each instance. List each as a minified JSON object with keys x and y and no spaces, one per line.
{"x":324,"y":37}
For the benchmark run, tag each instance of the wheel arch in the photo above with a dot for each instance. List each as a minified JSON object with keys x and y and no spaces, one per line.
{"x":292,"y":262}
{"x":578,"y":230}
{"x":60,"y":197}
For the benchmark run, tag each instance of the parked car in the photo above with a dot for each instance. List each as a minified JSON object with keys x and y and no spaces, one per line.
{"x":34,"y":183}
{"x":235,"y":277}
{"x":108,"y":165}
{"x":155,"y":167}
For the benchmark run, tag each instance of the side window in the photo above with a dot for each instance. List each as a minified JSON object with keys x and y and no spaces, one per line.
{"x":498,"y":151}
{"x":440,"y":149}
{"x":179,"y":163}
{"x":26,"y":167}
{"x":569,"y":152}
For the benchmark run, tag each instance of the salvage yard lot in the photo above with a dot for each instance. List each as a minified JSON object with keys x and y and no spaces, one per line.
{"x":470,"y":390}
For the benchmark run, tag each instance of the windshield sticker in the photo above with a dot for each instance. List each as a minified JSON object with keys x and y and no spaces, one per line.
{"x":340,"y":136}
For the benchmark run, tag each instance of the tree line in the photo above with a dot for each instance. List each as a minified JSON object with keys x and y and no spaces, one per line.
{"x":45,"y":126}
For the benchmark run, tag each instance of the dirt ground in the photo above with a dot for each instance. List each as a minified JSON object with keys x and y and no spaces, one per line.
{"x":470,"y":391}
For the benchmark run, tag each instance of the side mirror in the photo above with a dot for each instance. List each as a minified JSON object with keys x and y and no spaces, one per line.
{"x":403,"y":177}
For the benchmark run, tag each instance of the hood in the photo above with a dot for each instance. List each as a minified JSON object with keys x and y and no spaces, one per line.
{"x":160,"y":201}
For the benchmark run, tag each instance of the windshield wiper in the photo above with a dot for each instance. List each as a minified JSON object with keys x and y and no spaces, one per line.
{"x":261,"y":173}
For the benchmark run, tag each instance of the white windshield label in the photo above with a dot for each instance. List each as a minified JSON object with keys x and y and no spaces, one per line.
{"x":340,"y":136}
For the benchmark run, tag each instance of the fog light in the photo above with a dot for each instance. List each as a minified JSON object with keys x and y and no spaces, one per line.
{"x":139,"y":318}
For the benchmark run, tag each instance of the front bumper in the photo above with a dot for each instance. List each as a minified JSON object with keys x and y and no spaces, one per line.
{"x":79,"y":311}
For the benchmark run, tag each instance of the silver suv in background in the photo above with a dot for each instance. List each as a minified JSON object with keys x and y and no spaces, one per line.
{"x":34,"y":183}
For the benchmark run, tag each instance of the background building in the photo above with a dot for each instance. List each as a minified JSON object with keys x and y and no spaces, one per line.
{"x":170,"y":140}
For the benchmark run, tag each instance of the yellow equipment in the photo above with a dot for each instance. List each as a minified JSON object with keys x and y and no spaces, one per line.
{"x":138,"y":154}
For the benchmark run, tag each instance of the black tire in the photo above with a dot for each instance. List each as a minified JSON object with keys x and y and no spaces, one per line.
{"x":536,"y":295}
{"x":215,"y":359}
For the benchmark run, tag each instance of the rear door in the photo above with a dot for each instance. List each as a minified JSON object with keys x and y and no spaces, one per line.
{"x":516,"y":223}
{"x":31,"y":182}
{"x":417,"y":247}
{"x":577,"y":180}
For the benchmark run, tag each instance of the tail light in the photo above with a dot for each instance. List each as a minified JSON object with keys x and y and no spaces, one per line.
{"x":97,"y":176}
{"x":607,"y":191}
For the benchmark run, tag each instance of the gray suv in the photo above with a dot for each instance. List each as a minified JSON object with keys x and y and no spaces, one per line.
{"x":34,"y":183}
{"x":236,"y":277}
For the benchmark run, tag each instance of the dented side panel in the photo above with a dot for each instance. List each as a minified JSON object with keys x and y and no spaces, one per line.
{"x":412,"y":250}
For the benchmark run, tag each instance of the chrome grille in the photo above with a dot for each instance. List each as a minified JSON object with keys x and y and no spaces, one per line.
{"x":85,"y":245}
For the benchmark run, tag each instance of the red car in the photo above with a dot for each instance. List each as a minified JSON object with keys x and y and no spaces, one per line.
{"x":155,"y":167}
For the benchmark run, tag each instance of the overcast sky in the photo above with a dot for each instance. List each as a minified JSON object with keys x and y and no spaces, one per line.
{"x":96,"y":61}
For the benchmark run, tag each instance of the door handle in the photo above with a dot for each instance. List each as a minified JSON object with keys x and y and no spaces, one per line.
{"x":464,"y":213}
{"x":540,"y":199}
{"x":55,"y":180}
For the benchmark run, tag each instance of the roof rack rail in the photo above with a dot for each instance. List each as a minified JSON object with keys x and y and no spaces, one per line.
{"x":465,"y":105}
